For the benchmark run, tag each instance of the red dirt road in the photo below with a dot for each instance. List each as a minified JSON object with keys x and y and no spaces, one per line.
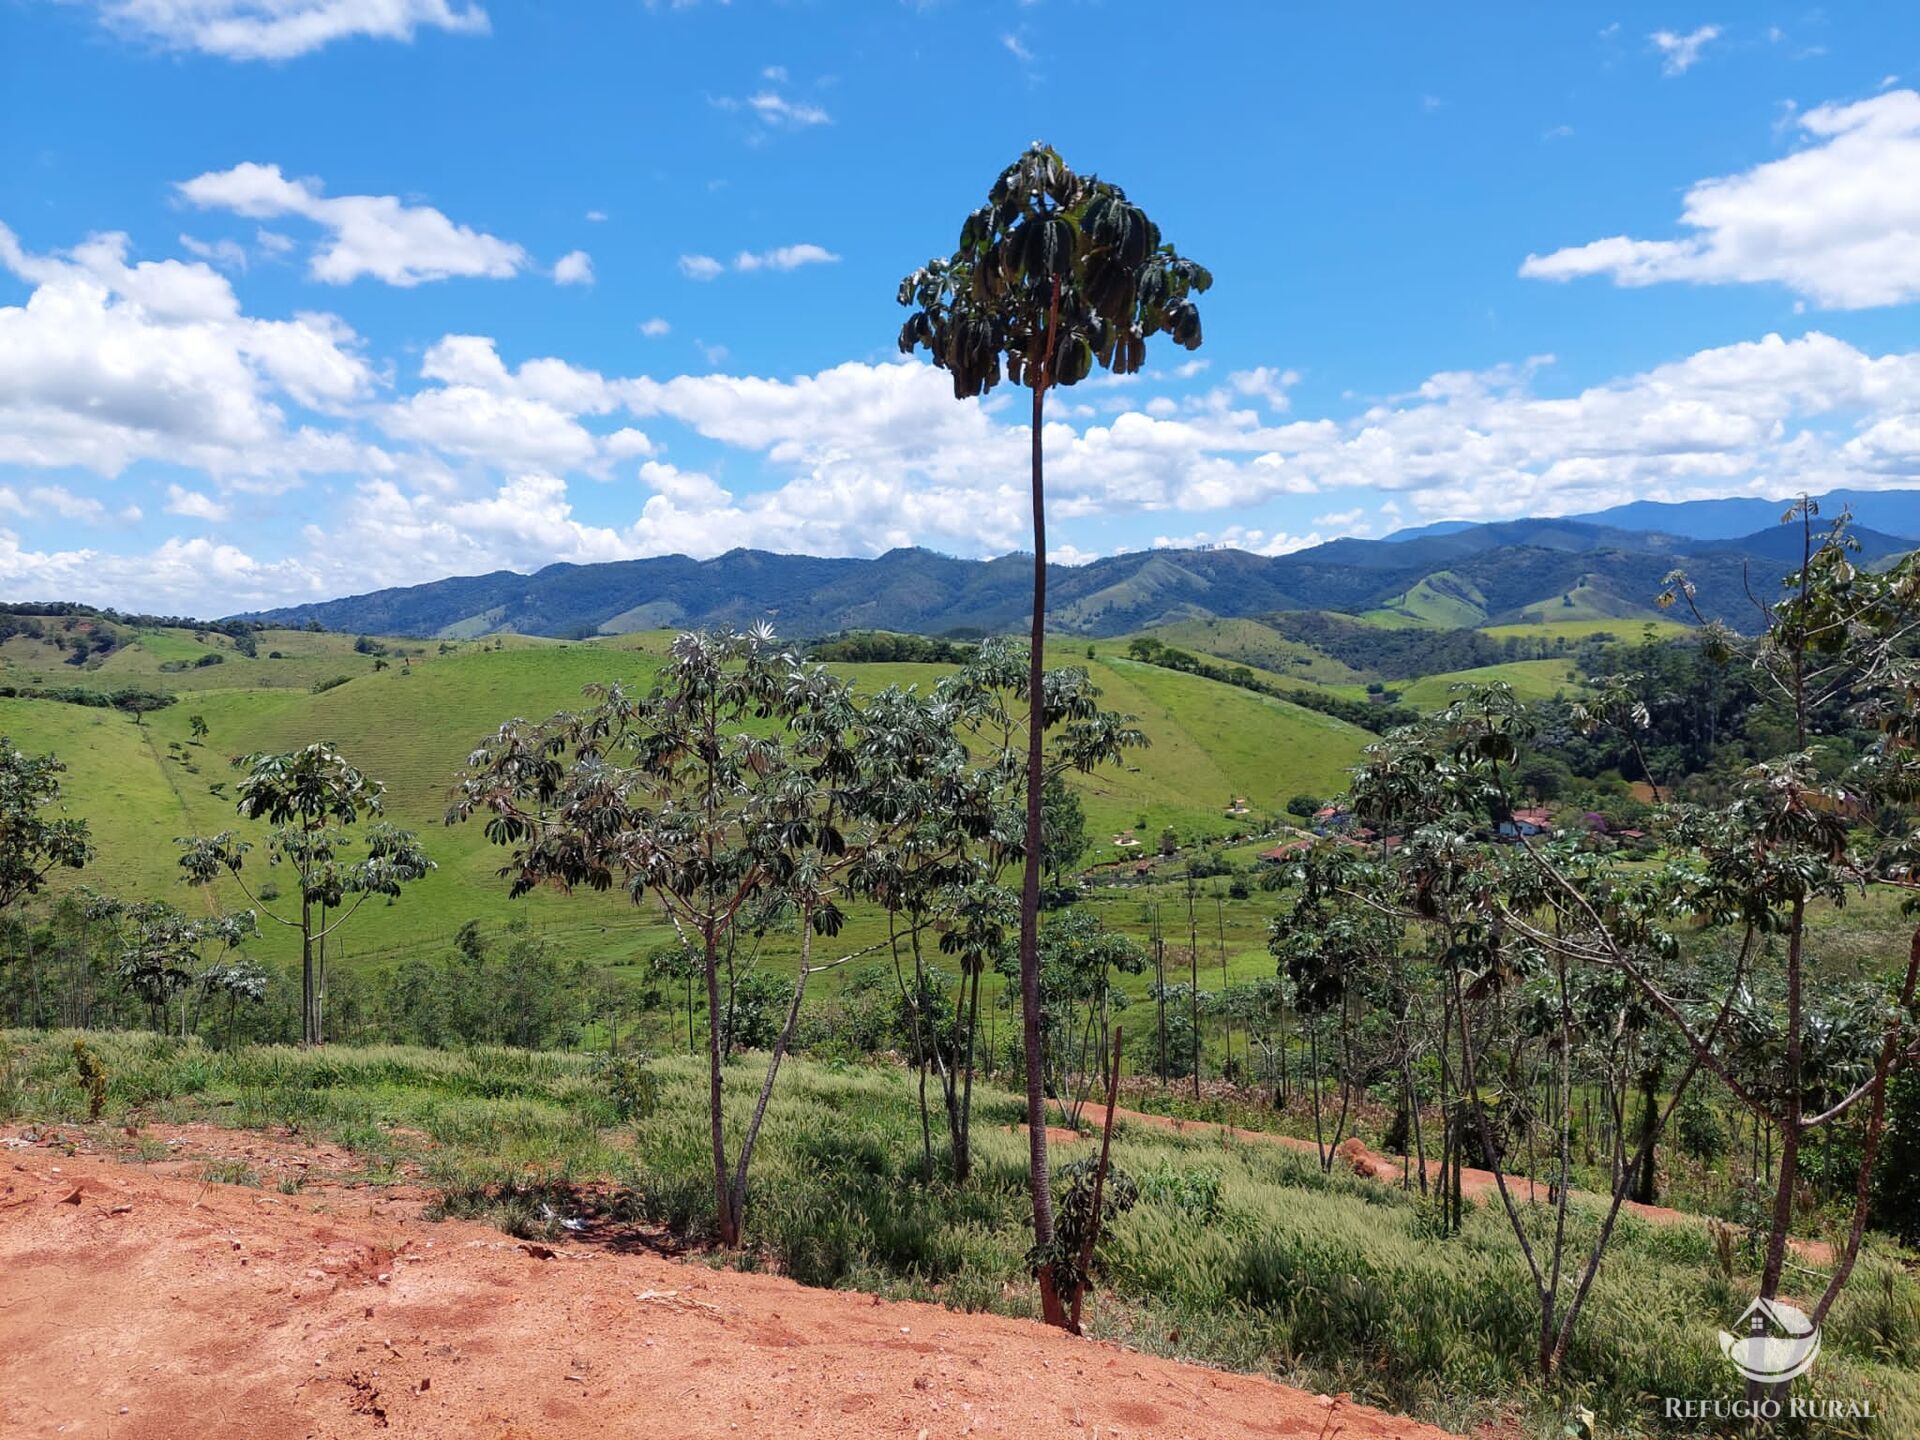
{"x":135,"y":1306}
{"x":1475,"y":1184}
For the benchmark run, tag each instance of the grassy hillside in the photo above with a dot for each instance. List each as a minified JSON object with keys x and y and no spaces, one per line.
{"x":1530,"y":679}
{"x":1241,"y":1255}
{"x":412,"y":725}
{"x":1251,"y":643}
{"x":1591,"y":599}
{"x":1210,"y":743}
{"x":1572,"y":628}
{"x":1442,"y":599}
{"x":1392,"y":620}
{"x":185,"y":660}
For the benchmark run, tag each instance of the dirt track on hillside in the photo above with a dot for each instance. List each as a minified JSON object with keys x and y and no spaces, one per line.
{"x":137,"y":1305}
{"x":1475,"y":1184}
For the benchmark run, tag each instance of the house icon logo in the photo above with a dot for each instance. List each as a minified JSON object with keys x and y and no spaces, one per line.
{"x":1780,"y":1344}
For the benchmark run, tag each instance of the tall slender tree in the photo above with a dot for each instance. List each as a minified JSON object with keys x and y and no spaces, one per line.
{"x":313,"y":797}
{"x":33,"y":842}
{"x":1055,"y":272}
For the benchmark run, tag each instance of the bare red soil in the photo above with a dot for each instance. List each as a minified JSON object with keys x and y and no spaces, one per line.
{"x":139,"y":1304}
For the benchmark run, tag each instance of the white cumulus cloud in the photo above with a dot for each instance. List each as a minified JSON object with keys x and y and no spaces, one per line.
{"x":776,"y":111}
{"x":110,"y":362}
{"x":1837,"y":222}
{"x":194,"y":505}
{"x":375,"y":235}
{"x":472,"y":461}
{"x":1679,"y":53}
{"x":785,"y":257}
{"x":282,"y":29}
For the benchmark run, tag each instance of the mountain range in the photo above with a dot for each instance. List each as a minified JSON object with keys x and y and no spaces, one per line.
{"x":1608,"y":565}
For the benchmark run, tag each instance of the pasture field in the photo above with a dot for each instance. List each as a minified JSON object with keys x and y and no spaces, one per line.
{"x":1241,"y":1255}
{"x":412,"y":724}
{"x":1250,"y":643}
{"x":1530,"y":679}
{"x":1625,"y":628}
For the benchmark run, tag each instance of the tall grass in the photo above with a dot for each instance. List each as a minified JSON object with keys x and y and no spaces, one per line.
{"x":1239,"y":1255}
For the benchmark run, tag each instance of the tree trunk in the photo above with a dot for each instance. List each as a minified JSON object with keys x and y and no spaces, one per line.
{"x":309,"y":1033}
{"x":1193,"y":995}
{"x":1419,"y":1140}
{"x":780,"y":1047}
{"x":1644,"y":1188}
{"x":1160,"y":996}
{"x":1039,"y":1172}
{"x":1319,"y":1134}
{"x":1099,"y":1185}
{"x":722,"y":1193}
{"x":962,"y":1133}
{"x":1790,"y":1126}
{"x":1283,"y":1094}
{"x":1226,"y":1009}
{"x":320,"y":984}
{"x":912,"y":1001}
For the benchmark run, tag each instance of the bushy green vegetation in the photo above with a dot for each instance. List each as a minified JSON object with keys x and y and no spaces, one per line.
{"x":887,"y":647}
{"x":1560,"y":631}
{"x":1401,"y":653}
{"x":1241,"y":1255}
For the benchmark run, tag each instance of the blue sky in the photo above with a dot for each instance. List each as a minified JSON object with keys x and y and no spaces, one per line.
{"x":305,"y":297}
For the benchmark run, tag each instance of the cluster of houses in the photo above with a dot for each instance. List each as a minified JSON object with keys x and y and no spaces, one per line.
{"x":1337,"y":822}
{"x":1131,"y":861}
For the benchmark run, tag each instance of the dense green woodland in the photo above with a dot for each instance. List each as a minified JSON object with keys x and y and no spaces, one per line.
{"x":1615,"y":908}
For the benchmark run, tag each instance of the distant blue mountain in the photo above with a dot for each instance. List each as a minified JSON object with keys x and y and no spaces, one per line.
{"x":1610,"y":564}
{"x":1891,"y":512}
{"x":1438,"y":527}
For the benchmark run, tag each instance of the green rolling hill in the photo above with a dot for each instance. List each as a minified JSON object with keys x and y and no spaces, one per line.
{"x":1442,"y":599}
{"x":1590,"y":599}
{"x":1530,"y":679}
{"x":412,"y":723}
{"x":1251,"y":643}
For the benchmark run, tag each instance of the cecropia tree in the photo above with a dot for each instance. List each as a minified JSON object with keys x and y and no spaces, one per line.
{"x":35,"y":839}
{"x":314,"y":798}
{"x":1056,"y":272}
{"x":743,"y":781}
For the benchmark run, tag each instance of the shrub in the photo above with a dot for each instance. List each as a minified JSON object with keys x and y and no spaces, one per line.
{"x":1193,"y":1192}
{"x":1698,"y":1129}
{"x":630,"y":1084}
{"x":93,"y":1076}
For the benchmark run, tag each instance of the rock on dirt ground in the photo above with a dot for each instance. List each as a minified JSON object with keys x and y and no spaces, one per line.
{"x":135,"y":1306}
